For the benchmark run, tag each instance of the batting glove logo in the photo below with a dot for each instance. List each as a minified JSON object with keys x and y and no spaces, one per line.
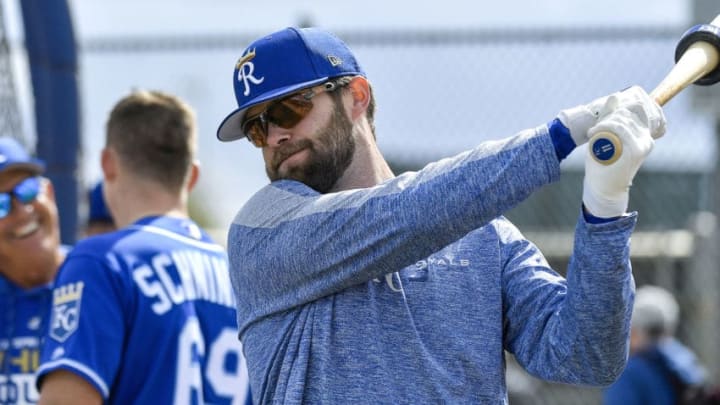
{"x":65,"y":310}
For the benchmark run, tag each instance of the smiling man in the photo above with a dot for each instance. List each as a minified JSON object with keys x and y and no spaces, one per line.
{"x":30,"y":254}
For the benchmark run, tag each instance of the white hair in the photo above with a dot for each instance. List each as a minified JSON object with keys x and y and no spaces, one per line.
{"x":656,"y":311}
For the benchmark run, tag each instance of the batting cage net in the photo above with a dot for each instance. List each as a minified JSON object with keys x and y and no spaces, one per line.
{"x":10,"y":124}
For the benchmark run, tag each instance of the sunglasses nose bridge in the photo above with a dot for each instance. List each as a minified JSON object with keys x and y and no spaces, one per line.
{"x":276,"y":135}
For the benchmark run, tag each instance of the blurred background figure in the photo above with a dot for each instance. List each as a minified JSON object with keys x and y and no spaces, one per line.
{"x":661,"y":370}
{"x":99,"y":219}
{"x":30,"y":255}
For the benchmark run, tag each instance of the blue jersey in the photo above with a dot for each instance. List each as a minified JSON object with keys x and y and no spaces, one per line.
{"x":409,"y":292}
{"x":146,"y":315}
{"x":24,"y":319}
{"x":24,"y":315}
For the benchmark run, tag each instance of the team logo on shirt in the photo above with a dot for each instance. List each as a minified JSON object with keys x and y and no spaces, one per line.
{"x":65,"y":310}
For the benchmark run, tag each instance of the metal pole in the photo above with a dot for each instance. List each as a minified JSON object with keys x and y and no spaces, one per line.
{"x":50,"y":43}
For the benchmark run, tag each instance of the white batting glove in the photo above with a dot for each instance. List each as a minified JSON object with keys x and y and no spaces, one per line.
{"x":578,"y":120}
{"x":640,"y":103}
{"x":636,"y":119}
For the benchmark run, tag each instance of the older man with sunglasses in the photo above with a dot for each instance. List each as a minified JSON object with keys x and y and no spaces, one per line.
{"x":354,"y":285}
{"x":30,"y":254}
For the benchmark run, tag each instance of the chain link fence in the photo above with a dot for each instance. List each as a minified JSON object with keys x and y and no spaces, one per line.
{"x":9,"y":114}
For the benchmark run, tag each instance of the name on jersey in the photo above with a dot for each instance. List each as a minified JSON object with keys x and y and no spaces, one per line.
{"x":198,"y":276}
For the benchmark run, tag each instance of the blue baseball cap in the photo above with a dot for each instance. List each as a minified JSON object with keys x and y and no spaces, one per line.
{"x":282,"y":63}
{"x":14,"y":156}
{"x":98,"y":208}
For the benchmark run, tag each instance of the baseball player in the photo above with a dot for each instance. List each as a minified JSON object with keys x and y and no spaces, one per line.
{"x":145,"y":314}
{"x":354,"y":285}
{"x":30,"y":254}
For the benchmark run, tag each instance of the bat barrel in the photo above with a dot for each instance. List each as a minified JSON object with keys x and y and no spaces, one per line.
{"x":699,"y":61}
{"x":696,"y":57}
{"x":709,"y":33}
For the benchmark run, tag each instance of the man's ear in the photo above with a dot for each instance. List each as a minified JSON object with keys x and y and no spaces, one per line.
{"x":360,"y":90}
{"x":108,"y":162}
{"x":194,"y":175}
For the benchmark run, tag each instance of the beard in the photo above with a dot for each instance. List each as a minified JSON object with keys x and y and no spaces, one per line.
{"x":329,"y":155}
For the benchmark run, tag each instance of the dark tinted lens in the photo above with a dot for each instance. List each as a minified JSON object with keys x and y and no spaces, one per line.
{"x":27,"y":190}
{"x":255,"y":131}
{"x":248,"y":123}
{"x":285,"y":113}
{"x":5,"y":204}
{"x":288,"y":112}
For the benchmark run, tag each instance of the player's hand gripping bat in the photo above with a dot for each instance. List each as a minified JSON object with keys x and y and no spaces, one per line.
{"x":696,"y":61}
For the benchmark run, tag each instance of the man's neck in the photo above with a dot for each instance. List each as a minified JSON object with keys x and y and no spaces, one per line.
{"x":140,"y":201}
{"x":367,"y":169}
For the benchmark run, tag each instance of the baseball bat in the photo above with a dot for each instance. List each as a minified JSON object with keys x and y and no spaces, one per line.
{"x":695,"y":63}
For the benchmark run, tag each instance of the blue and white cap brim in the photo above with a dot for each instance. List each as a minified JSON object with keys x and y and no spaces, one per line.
{"x":231,"y":127}
{"x":34,"y":166}
{"x":13,"y":156}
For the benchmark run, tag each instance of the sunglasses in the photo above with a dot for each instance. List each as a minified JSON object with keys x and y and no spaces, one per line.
{"x":26,"y":192}
{"x":284,"y":113}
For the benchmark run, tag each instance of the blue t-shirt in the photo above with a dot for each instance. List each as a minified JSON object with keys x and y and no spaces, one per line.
{"x":147,"y":316}
{"x":409,"y":292}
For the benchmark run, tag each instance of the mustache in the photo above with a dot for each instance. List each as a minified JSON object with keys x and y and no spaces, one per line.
{"x":288,"y":150}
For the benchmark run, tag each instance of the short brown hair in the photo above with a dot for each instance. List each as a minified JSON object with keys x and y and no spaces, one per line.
{"x":154,"y":135}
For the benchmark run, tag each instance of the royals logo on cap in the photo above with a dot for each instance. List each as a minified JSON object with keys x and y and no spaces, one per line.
{"x":65,"y":310}
{"x":245,"y":72}
{"x":282,"y":63}
{"x":247,"y":57}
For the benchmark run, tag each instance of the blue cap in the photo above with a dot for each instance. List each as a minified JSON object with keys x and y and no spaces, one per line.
{"x":282,"y":63}
{"x":98,"y":208}
{"x":14,"y":156}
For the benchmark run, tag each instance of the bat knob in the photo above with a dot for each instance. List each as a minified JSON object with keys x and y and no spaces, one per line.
{"x":705,"y":33}
{"x":605,"y":147}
